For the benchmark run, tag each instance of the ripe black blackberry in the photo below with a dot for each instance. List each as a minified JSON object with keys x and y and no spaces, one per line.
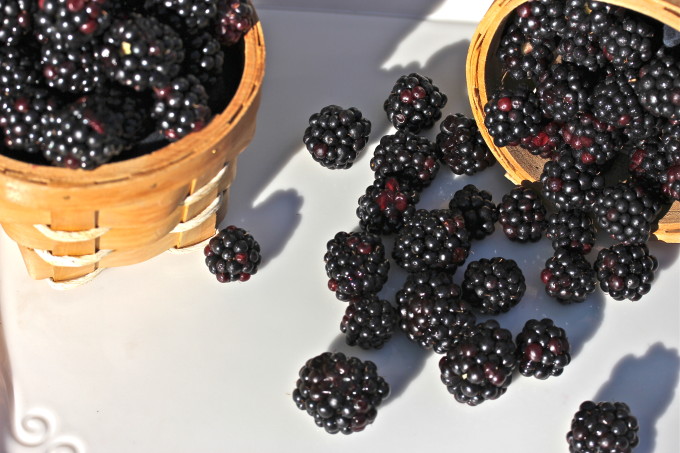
{"x":625,"y":271}
{"x":479,"y":365}
{"x":181,"y":107}
{"x":523,"y":56}
{"x":510,"y":115}
{"x":356,"y":264}
{"x":540,"y":19}
{"x":593,"y":142}
{"x":335,"y":136}
{"x":479,"y":211}
{"x":71,"y":70}
{"x":628,"y":43}
{"x":592,"y":17}
{"x":134,"y":108}
{"x":386,"y":205}
{"x":613,"y":101}
{"x":627,"y":212}
{"x":568,"y":276}
{"x":369,"y":322}
{"x":204,"y":57}
{"x":603,"y":427}
{"x":563,"y":91}
{"x":547,"y":143}
{"x":670,"y":179}
{"x":20,"y":70}
{"x":573,"y":230}
{"x":432,"y":240}
{"x":493,"y":286}
{"x":522,"y":215}
{"x":569,"y":185}
{"x":577,"y":47}
{"x":407,"y":157}
{"x":234,"y":19}
{"x":462,"y":147}
{"x":431,"y":311}
{"x":195,"y":13}
{"x":15,"y":21}
{"x":341,"y":393}
{"x":21,"y":118}
{"x":647,"y":162}
{"x":415,"y":103}
{"x":659,"y":86}
{"x":542,"y":349}
{"x":232,"y":254}
{"x":71,"y":23}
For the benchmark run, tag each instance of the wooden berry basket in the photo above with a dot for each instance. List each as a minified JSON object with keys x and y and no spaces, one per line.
{"x":71,"y":224}
{"x":483,"y":75}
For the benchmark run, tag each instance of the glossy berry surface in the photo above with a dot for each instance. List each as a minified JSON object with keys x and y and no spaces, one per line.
{"x":603,"y":427}
{"x":573,"y":230}
{"x":369,"y":322}
{"x":414,"y":103}
{"x":626,"y":271}
{"x":568,"y":276}
{"x":522,"y":215}
{"x":542,"y":349}
{"x":479,"y":210}
{"x":493,"y":286}
{"x":461,"y":146}
{"x":407,"y":157}
{"x":233,"y":254}
{"x":386,"y":205}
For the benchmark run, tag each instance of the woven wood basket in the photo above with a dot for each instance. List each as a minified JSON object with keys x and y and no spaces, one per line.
{"x":484,"y":75}
{"x":71,"y":224}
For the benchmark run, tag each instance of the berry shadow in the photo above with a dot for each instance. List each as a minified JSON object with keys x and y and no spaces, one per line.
{"x":647,"y":384}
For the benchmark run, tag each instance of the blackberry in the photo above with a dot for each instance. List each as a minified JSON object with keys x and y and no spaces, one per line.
{"x":592,"y":17}
{"x":493,"y":286}
{"x":15,"y":21}
{"x":546,"y":143}
{"x":386,"y":205}
{"x":479,"y":365}
{"x":625,"y":271}
{"x":195,"y":13}
{"x":355,"y":264}
{"x":432,"y":240}
{"x":573,"y":230}
{"x":522,"y":215}
{"x":20,"y":70}
{"x":626,"y":212}
{"x":134,"y":108}
{"x":647,"y":163}
{"x":542,"y":349}
{"x":563,"y":91}
{"x":510,"y":115}
{"x":70,"y":23}
{"x":431,"y":311}
{"x":335,"y":136}
{"x":181,"y":107}
{"x":658,"y":87}
{"x":204,"y":57}
{"x":341,"y":393}
{"x":523,"y":56}
{"x":593,"y":141}
{"x":569,"y":185}
{"x":613,"y":101}
{"x":71,"y":70}
{"x":407,"y":157}
{"x":21,"y":118}
{"x":603,"y":427}
{"x":647,"y":127}
{"x":629,"y":43}
{"x":670,"y":179}
{"x":541,"y":19}
{"x":232,"y":254}
{"x":462,"y":147}
{"x":415,"y":103}
{"x":479,"y":211}
{"x":369,"y":322}
{"x":234,"y":19}
{"x":576,"y":47}
{"x":568,"y":276}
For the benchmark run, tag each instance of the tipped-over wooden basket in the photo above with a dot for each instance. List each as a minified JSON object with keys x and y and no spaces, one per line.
{"x":484,"y":75}
{"x":70,"y":224}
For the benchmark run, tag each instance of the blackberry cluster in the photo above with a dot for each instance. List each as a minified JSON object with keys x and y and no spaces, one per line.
{"x":415,"y":103}
{"x":386,"y":205}
{"x":625,"y":271}
{"x":341,"y":393}
{"x":563,"y":91}
{"x":511,"y":115}
{"x":15,"y":20}
{"x":541,"y":19}
{"x":335,"y":136}
{"x":542,"y":349}
{"x":355,"y":264}
{"x":181,"y":107}
{"x":628,"y":43}
{"x":523,"y":56}
{"x":407,"y":157}
{"x":493,"y":286}
{"x":593,"y":142}
{"x":547,"y":143}
{"x":234,"y":19}
{"x":232,"y":254}
{"x":71,"y":23}
{"x":603,"y":427}
{"x":658,"y":87}
{"x":196,"y":14}
{"x":369,"y":322}
{"x":522,"y":215}
{"x":568,"y":276}
{"x":569,"y":185}
{"x":462,"y":147}
{"x":479,"y":211}
{"x":573,"y":230}
{"x":613,"y":101}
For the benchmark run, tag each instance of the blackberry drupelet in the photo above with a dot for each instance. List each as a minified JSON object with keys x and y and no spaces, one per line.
{"x":415,"y":103}
{"x":658,"y":86}
{"x":181,"y":107}
{"x":603,"y":427}
{"x":341,"y":393}
{"x":569,"y":185}
{"x":431,"y":311}
{"x":563,"y":91}
{"x":628,"y":43}
{"x":203,"y":57}
{"x":386,"y":205}
{"x":15,"y":21}
{"x":547,"y":143}
{"x":479,"y":365}
{"x":462,"y":147}
{"x":493,"y":286}
{"x":522,"y":215}
{"x":594,"y":142}
{"x":71,"y":70}
{"x":613,"y":101}
{"x":626,"y":271}
{"x":356,"y":264}
{"x":432,"y":240}
{"x":234,"y":19}
{"x":71,"y":23}
{"x":479,"y":211}
{"x":407,"y":157}
{"x":568,"y":276}
{"x":195,"y":13}
{"x":523,"y":56}
{"x":232,"y":254}
{"x":21,"y":118}
{"x":573,"y":230}
{"x":542,"y":349}
{"x":369,"y":322}
{"x":335,"y":136}
{"x":511,"y":115}
{"x":627,"y":212}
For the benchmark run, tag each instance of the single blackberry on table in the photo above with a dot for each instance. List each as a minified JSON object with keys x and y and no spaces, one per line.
{"x":522,"y":215}
{"x":479,"y":211}
{"x":369,"y":322}
{"x":432,"y":240}
{"x":234,"y":19}
{"x":547,"y":143}
{"x":335,"y":136}
{"x":563,"y":91}
{"x":658,"y":86}
{"x":569,"y":185}
{"x":627,"y":212}
{"x":625,"y":271}
{"x":594,"y":142}
{"x":195,"y":13}
{"x":568,"y":276}
{"x":431,"y":311}
{"x":407,"y":157}
{"x":510,"y":115}
{"x":462,"y":147}
{"x":523,"y":56}
{"x":21,"y":118}
{"x":204,"y":57}
{"x":341,"y":393}
{"x":415,"y":103}
{"x":493,"y":286}
{"x":356,"y":264}
{"x":15,"y":21}
{"x":232,"y":254}
{"x":628,"y":43}
{"x":603,"y":427}
{"x":479,"y":365}
{"x":386,"y":205}
{"x":71,"y":70}
{"x":542,"y":349}
{"x":181,"y":107}
{"x":70,"y":23}
{"x":572,"y":229}
{"x":613,"y":101}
